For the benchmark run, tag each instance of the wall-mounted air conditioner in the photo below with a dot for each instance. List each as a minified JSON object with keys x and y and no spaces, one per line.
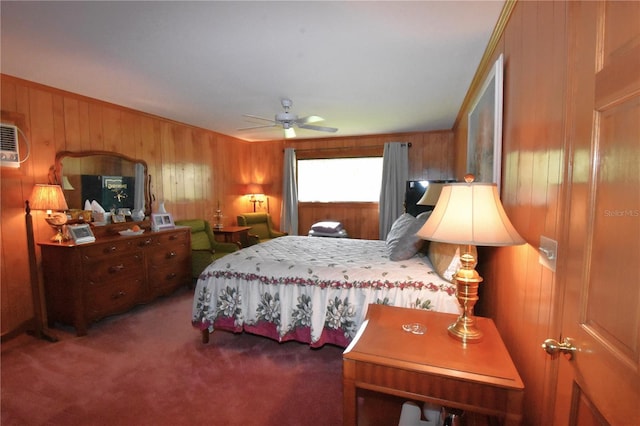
{"x":9,"y":154}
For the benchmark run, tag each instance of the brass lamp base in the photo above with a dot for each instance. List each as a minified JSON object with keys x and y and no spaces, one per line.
{"x":467,"y":283}
{"x":59,"y":237}
{"x":56,"y":221}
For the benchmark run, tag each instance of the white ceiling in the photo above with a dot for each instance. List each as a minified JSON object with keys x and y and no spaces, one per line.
{"x":366,"y":67}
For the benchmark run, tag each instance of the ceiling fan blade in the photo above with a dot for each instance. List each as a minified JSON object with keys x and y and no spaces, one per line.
{"x":258,"y":117}
{"x":289,"y":133}
{"x":258,"y":127}
{"x":309,"y":119}
{"x":319,"y":128}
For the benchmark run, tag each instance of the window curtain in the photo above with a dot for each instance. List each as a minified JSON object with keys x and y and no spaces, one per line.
{"x":289,"y":212}
{"x":395,"y":173}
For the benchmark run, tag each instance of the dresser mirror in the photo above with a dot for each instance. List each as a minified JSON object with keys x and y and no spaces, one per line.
{"x":113,"y":181}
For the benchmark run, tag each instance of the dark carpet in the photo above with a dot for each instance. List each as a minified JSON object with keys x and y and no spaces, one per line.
{"x":149,"y":367}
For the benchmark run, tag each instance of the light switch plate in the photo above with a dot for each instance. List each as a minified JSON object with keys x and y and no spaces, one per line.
{"x":548,"y":252}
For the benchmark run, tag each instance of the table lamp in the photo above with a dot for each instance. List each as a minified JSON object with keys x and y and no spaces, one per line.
{"x":51,"y":199}
{"x":254,"y":190}
{"x":431,"y":195}
{"x":469,"y":214}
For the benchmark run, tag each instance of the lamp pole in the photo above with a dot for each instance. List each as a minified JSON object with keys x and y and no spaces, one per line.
{"x":41,"y":329}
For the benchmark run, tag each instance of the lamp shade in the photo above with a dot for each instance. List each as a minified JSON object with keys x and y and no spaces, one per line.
{"x":254,"y":189}
{"x":431,"y":195}
{"x":47,"y":197}
{"x":66,"y":184}
{"x":470,"y":213}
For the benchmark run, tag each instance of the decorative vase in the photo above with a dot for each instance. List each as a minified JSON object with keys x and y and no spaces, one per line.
{"x":137,"y":215}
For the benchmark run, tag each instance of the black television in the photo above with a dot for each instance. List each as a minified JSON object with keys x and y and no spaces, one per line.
{"x":111,"y":192}
{"x":415,"y":189}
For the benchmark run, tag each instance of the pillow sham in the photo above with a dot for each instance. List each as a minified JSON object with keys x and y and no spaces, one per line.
{"x":445,"y":258}
{"x":402,"y":241}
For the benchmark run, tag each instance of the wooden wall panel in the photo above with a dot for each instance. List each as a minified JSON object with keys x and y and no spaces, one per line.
{"x":518,"y":292}
{"x":360,"y":220}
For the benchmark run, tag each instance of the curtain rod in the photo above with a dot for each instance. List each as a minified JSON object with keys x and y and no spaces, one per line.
{"x":345,"y":147}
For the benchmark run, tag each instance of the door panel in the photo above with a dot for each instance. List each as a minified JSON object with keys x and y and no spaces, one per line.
{"x":601,"y":272}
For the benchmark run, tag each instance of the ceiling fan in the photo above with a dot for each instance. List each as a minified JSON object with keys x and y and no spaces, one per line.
{"x":288,"y":121}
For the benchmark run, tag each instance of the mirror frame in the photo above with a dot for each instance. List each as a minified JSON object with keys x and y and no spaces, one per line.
{"x":56,"y":171}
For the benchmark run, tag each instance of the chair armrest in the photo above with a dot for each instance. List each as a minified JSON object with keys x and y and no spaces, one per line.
{"x":275,"y":233}
{"x":210,"y":251}
{"x":253,"y":239}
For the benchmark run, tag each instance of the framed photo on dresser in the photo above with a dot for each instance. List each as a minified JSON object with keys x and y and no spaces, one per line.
{"x":81,"y":234}
{"x":162,"y":221}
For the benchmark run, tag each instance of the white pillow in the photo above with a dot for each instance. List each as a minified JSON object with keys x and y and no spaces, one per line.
{"x":402,"y":241}
{"x":327,"y":227}
{"x":445,"y":258}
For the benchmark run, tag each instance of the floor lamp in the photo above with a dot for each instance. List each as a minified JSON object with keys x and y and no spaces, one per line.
{"x":50,"y":198}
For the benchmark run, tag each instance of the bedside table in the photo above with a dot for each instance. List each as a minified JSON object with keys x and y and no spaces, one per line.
{"x":432,"y":367}
{"x":233,"y":234}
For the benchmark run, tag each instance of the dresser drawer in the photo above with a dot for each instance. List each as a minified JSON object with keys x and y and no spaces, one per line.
{"x":118,"y":268}
{"x":166,"y":254}
{"x":174,"y":237}
{"x":169,"y":267}
{"x":165,"y":280}
{"x":112,"y":248}
{"x":113,"y":297}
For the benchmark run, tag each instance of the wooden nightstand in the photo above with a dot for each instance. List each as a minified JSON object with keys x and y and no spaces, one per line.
{"x":233,"y":234}
{"x":432,"y":367}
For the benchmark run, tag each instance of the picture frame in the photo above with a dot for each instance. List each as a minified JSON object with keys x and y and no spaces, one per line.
{"x":81,"y":233}
{"x":484,"y":137}
{"x":162,"y":221}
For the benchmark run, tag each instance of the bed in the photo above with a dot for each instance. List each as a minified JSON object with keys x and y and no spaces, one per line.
{"x":316,"y":290}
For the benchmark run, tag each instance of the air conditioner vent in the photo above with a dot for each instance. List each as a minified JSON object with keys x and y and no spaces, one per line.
{"x":9,"y":155}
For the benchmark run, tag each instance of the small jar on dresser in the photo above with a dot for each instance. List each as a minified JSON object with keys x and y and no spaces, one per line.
{"x":86,"y":282}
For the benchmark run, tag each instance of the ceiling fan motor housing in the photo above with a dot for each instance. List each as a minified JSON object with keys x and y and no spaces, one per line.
{"x":286,"y":117}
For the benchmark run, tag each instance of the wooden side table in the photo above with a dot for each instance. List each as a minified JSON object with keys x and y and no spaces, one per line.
{"x":233,"y":234}
{"x":432,"y":367}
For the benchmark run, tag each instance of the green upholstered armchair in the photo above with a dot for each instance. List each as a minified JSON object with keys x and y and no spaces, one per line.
{"x":204,"y":247}
{"x":261,"y":227}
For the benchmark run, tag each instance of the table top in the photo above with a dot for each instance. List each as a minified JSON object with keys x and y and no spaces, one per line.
{"x":381,"y":340}
{"x":231,"y":229}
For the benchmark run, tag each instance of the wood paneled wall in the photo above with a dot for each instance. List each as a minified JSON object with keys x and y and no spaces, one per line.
{"x":518,"y":293}
{"x":192,"y":170}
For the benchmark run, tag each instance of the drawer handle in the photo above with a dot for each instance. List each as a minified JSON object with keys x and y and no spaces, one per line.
{"x":118,"y":295}
{"x":171,"y":254}
{"x":173,"y":237}
{"x":171,"y":276}
{"x":110,"y":249}
{"x":145,"y":242}
{"x":115,"y":269}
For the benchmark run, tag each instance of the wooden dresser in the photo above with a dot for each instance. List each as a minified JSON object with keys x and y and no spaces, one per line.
{"x":86,"y":282}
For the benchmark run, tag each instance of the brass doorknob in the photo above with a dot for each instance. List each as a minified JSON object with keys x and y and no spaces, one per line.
{"x":553,"y":347}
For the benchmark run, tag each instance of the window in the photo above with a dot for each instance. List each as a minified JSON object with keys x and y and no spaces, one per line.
{"x":340,"y":179}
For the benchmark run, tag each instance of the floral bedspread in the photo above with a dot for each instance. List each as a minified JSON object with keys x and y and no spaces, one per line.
{"x":313,"y":290}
